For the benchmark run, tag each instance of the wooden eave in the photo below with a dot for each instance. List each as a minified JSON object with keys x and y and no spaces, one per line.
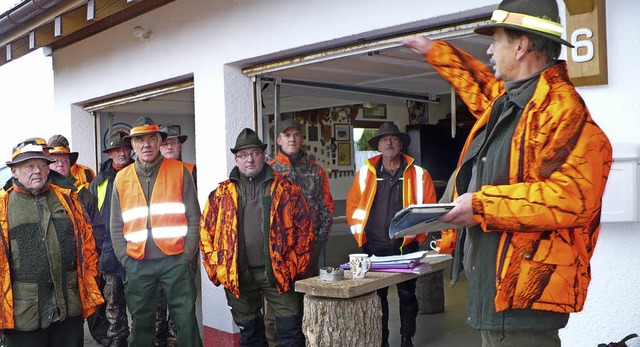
{"x":69,"y":22}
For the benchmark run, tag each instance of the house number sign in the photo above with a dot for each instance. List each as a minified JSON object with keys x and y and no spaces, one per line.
{"x":586,"y":30}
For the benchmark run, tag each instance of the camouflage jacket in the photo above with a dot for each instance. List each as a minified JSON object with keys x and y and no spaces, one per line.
{"x":313,"y":182}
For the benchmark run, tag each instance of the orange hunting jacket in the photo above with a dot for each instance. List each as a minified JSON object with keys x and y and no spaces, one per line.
{"x":83,"y":175}
{"x":417,"y":188}
{"x":549,"y":214}
{"x":87,"y":257}
{"x":290,"y":235}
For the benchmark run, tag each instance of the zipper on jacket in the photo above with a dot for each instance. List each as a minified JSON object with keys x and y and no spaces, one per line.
{"x":54,"y":299}
{"x":507,"y":241}
{"x":503,"y":256}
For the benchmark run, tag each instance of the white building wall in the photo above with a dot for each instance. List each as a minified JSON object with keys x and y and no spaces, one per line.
{"x":199,"y":37}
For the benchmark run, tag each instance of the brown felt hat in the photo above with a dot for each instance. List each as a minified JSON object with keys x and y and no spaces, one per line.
{"x":389,"y":128}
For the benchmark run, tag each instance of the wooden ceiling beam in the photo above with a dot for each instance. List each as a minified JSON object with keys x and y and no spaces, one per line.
{"x":76,"y":21}
{"x":20,"y":48}
{"x":71,"y":22}
{"x":579,"y":6}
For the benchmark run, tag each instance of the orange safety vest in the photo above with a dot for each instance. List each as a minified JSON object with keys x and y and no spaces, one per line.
{"x":417,"y":188}
{"x":189,"y":166}
{"x":166,"y":208}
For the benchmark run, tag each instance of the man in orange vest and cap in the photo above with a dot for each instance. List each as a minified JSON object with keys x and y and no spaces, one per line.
{"x":386,"y":184}
{"x":154,"y":231}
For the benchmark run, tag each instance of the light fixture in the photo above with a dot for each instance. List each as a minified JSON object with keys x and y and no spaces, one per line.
{"x":141,"y":33}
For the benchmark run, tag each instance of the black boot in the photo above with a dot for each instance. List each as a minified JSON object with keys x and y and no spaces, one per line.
{"x":406,"y":341}
{"x":289,"y":330}
{"x":119,"y":342}
{"x":252,"y":333}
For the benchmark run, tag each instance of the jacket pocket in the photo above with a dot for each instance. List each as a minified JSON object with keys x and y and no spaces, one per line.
{"x":547,"y":277}
{"x":25,"y":306}
{"x":74,"y":304}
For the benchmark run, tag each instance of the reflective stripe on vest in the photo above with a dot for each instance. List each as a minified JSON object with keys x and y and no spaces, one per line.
{"x":362,"y":177}
{"x":419,"y":185}
{"x":102,"y":193}
{"x":166,"y":209}
{"x":412,"y":183}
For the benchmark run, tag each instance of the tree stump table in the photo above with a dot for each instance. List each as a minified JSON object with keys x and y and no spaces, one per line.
{"x":348,"y":312}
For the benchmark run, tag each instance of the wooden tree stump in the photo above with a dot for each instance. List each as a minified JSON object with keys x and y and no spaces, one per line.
{"x":342,"y":322}
{"x":430,"y":293}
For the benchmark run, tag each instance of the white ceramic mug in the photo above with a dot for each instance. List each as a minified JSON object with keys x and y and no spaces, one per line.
{"x":435,"y":245}
{"x":359,"y":264}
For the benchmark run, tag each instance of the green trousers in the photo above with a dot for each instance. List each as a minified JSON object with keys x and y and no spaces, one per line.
{"x":253,"y":286}
{"x":141,"y":280}
{"x":547,"y":338}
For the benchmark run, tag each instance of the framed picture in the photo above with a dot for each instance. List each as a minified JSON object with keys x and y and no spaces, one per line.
{"x":313,"y":133}
{"x":342,"y":132}
{"x":374,"y":111}
{"x":344,"y":153}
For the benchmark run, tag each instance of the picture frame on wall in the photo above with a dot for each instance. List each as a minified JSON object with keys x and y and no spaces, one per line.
{"x":374,"y":111}
{"x":313,"y":133}
{"x":344,"y":154}
{"x":342,"y":132}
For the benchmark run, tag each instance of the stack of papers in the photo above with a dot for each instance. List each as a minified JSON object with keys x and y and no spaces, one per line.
{"x":408,"y":263}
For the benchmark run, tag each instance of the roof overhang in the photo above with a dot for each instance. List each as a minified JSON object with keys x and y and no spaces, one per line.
{"x":54,"y":24}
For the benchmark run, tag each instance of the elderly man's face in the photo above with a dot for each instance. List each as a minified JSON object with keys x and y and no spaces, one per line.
{"x":120,"y":155}
{"x":290,"y":141}
{"x":390,"y":146}
{"x":62,"y":164}
{"x":171,"y":148}
{"x":146,"y":146}
{"x":503,"y":52}
{"x":250,"y":161}
{"x":32,"y":174}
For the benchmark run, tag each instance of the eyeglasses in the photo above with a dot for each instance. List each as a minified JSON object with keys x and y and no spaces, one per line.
{"x":170,"y":143}
{"x":62,"y":161}
{"x":245,"y":155}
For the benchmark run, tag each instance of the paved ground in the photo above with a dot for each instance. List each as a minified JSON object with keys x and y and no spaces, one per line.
{"x":88,"y":340}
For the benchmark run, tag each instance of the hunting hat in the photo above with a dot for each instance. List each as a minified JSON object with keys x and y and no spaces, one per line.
{"x":32,"y":148}
{"x":59,"y":144}
{"x":247,"y":139}
{"x":173,"y":131}
{"x":538,"y":17}
{"x":288,"y":123}
{"x":389,"y":128}
{"x":144,"y":126}
{"x":117,"y":140}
